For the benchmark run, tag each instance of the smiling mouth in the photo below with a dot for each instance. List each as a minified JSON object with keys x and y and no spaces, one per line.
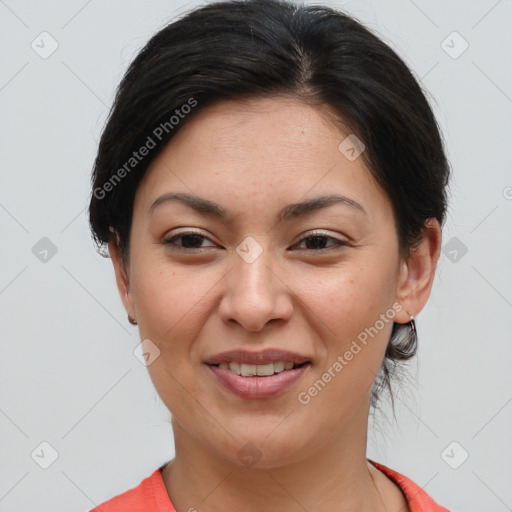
{"x":259,"y":370}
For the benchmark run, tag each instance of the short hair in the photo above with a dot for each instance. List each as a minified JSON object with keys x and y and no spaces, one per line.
{"x":249,"y":49}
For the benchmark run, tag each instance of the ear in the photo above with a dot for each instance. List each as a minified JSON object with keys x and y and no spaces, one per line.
{"x":122,"y":272}
{"x":416,"y":275}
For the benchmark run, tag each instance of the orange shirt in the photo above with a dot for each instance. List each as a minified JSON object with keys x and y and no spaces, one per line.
{"x":151,"y":495}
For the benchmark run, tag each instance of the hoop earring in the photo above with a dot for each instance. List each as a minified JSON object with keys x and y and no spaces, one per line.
{"x":131,"y":320}
{"x":412,"y":325}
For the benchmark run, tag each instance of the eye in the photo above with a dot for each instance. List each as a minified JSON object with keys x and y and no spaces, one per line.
{"x":317,"y":242}
{"x":190,"y":241}
{"x":193,"y":241}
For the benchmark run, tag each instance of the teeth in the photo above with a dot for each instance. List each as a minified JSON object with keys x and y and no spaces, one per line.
{"x":250,"y":370}
{"x":279,"y":366}
{"x":234,"y":367}
{"x":265,"y":369}
{"x":247,"y":370}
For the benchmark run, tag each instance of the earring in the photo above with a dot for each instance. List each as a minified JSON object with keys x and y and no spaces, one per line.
{"x":413,"y":327}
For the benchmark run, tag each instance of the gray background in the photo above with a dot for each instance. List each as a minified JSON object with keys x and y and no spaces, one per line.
{"x":68,"y":375}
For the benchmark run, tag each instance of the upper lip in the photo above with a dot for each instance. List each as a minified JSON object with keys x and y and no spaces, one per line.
{"x":266,"y":356}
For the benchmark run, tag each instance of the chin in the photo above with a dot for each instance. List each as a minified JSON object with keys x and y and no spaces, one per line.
{"x":262,"y":451}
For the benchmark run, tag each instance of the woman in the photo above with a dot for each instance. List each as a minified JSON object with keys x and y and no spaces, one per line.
{"x":271,"y":184}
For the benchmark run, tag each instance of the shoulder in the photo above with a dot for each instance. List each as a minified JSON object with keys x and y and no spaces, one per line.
{"x":149,"y":495}
{"x":417,"y":499}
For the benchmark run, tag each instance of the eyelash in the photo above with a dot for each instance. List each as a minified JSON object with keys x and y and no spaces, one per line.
{"x":171,"y":242}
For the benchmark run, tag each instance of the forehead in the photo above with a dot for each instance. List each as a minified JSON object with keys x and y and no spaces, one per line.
{"x":262,"y":150}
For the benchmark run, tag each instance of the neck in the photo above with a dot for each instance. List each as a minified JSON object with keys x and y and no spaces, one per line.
{"x":335,"y":477}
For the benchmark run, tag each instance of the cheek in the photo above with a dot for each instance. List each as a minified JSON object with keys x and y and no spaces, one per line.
{"x":349,"y":299}
{"x":172,"y":307}
{"x":348,"y":305}
{"x":170,"y":302}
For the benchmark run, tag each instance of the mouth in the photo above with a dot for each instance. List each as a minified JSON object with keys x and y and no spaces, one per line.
{"x":259,"y":370}
{"x":257,"y":375}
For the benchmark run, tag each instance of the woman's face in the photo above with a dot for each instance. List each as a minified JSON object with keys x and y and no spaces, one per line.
{"x":261,"y":274}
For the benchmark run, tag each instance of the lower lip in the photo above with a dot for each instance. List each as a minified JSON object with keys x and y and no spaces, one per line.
{"x":252,"y":388}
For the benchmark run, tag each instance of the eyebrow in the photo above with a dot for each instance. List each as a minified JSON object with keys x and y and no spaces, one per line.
{"x":289,"y":212}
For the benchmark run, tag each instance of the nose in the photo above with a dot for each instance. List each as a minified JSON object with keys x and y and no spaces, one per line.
{"x":255,"y":294}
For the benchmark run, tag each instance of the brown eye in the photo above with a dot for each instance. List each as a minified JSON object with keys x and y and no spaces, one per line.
{"x":318,"y":242}
{"x":189,"y":241}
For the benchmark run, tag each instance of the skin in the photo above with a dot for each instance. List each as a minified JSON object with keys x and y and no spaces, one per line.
{"x":253,"y":158}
